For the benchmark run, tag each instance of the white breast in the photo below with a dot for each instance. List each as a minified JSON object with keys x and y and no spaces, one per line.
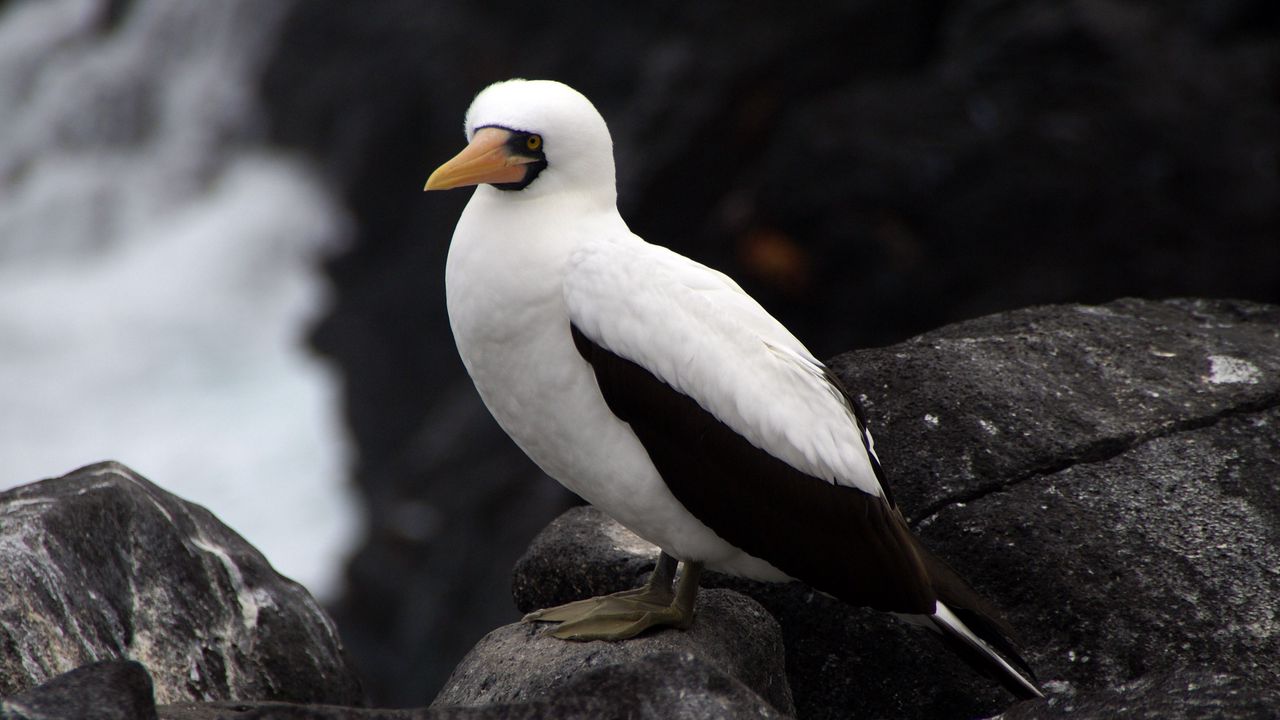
{"x":503,"y":284}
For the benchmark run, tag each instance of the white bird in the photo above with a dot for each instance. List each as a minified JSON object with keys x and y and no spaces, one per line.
{"x":660,"y":392}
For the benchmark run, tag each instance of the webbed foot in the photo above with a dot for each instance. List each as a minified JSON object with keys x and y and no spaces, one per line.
{"x":626,"y":614}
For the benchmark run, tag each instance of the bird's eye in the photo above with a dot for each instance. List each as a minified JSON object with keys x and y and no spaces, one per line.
{"x":533,"y":142}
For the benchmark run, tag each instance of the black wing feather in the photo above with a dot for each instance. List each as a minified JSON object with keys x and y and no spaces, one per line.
{"x":838,"y":539}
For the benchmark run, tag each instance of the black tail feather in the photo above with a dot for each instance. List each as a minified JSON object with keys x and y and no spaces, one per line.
{"x":979,"y":654}
{"x":978,"y":633}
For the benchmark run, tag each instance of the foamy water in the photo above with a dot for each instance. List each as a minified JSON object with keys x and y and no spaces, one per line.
{"x":159,"y":273}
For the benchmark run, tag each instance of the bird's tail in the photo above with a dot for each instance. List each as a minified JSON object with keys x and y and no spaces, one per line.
{"x":980,"y":654}
{"x":973,"y":628}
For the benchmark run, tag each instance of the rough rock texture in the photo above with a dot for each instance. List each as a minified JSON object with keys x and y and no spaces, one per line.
{"x":655,"y":687}
{"x":102,"y":564}
{"x":1107,"y":475}
{"x":109,"y":690}
{"x":729,"y":665}
{"x":869,"y":170}
{"x":284,"y":711}
{"x":1011,"y":396}
{"x":733,"y":655}
{"x":1180,"y":696}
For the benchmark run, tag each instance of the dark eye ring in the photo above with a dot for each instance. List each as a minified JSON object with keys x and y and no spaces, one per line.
{"x":533,"y":142}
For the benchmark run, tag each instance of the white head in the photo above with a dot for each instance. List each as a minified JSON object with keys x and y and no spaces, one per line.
{"x":533,"y":138}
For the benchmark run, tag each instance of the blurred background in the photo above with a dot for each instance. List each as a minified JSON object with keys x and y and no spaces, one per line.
{"x":217,"y":264}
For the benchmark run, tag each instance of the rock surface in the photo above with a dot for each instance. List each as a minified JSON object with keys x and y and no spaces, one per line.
{"x":1108,"y":473}
{"x":102,"y":564}
{"x":108,"y":690}
{"x":1180,"y":696}
{"x":979,"y":405}
{"x":732,"y":658}
{"x":1105,"y":474}
{"x":729,"y":665}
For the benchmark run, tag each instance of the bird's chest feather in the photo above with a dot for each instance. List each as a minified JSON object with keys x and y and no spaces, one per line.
{"x":504,"y":290}
{"x":507,"y":322}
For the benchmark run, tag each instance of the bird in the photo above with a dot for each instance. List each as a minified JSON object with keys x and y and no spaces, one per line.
{"x":659,"y":391}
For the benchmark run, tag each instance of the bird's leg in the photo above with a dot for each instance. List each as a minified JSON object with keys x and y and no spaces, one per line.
{"x":627,"y":614}
{"x":625,"y":618}
{"x":657,"y":592}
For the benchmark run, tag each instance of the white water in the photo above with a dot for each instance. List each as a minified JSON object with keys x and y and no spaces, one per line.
{"x":159,"y":272}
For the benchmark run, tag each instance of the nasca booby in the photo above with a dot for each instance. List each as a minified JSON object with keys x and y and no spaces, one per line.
{"x":656,"y":389}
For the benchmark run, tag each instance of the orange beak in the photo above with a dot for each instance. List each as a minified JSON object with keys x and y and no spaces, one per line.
{"x":488,"y":159}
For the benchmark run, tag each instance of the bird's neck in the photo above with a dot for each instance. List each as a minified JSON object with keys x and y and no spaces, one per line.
{"x":540,"y":229}
{"x":514,"y":250}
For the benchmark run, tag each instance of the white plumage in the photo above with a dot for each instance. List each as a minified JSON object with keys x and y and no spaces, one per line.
{"x":541,"y":251}
{"x":520,"y":271}
{"x":698,"y":332}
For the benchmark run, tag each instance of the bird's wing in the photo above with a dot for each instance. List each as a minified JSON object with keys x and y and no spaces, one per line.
{"x":700,"y":333}
{"x":746,"y":427}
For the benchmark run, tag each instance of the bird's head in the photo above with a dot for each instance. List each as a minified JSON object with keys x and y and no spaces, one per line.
{"x":532,"y":138}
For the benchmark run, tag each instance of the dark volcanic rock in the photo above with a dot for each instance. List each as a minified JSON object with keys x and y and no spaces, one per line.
{"x":678,"y":686}
{"x":1071,"y":457}
{"x":109,"y":690}
{"x":660,"y":686}
{"x":101,"y":563}
{"x":1180,"y":696}
{"x":1162,"y":557}
{"x":284,"y":711}
{"x":979,"y":405}
{"x":729,"y":665}
{"x":1107,"y":475}
{"x":734,"y":650}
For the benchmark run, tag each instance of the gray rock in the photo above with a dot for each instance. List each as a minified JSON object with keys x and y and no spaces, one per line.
{"x":103,"y":564}
{"x":573,"y":707}
{"x":109,"y":690}
{"x":731,"y":657}
{"x":1165,"y":556}
{"x":664,"y":679}
{"x":662,"y":686}
{"x":1180,"y":696}
{"x":977,"y":406}
{"x":282,"y":711}
{"x":1106,"y":474}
